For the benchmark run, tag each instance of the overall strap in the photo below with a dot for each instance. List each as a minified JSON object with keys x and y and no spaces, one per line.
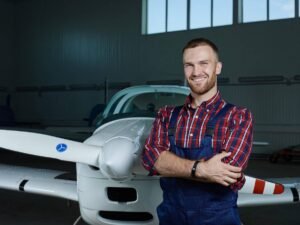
{"x":214,"y":119}
{"x":172,"y":125}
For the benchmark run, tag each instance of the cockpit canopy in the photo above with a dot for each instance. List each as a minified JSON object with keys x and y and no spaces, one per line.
{"x":142,"y":101}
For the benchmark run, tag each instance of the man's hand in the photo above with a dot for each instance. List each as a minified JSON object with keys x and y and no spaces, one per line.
{"x":216,"y":171}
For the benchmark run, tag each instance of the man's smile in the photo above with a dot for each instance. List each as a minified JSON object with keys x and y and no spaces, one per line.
{"x":198,"y":79}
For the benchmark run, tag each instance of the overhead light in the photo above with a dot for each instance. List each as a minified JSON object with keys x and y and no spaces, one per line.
{"x":118,"y":85}
{"x":297,"y":77}
{"x":223,"y":80}
{"x":27,"y":89}
{"x":262,"y":79}
{"x":83,"y":87}
{"x":164,"y":82}
{"x":53,"y":88}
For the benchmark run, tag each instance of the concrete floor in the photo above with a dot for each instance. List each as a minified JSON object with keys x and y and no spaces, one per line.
{"x":23,"y":208}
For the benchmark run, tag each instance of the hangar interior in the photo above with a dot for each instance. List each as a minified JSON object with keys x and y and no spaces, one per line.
{"x":57,"y":55}
{"x":59,"y":58}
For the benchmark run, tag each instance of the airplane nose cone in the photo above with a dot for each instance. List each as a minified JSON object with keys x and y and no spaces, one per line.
{"x":117,"y":158}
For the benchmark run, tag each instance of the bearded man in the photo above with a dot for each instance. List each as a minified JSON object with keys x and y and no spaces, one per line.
{"x":200,"y":149}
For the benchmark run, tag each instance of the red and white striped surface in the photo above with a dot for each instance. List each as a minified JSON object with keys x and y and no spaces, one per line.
{"x":258,"y":186}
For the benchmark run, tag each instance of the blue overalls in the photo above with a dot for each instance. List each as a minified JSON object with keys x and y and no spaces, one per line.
{"x":188,"y":202}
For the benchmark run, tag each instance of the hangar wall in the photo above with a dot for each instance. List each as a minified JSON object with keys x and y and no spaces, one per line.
{"x":7,"y":50}
{"x":60,"y":43}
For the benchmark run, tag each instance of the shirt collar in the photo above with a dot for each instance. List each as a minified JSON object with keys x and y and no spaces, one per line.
{"x":209,"y":104}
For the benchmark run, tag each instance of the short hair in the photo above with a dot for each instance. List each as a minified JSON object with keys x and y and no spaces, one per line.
{"x":201,"y":41}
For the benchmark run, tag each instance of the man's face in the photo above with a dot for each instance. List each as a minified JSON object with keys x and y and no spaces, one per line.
{"x":201,"y":68}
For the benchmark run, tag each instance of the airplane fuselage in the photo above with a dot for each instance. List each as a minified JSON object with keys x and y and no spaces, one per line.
{"x":131,"y":200}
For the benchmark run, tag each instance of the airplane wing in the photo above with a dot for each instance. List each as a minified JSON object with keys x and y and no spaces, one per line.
{"x":254,"y":192}
{"x":38,"y":181}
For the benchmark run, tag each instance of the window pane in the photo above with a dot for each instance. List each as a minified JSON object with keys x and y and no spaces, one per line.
{"x":177,"y":15}
{"x":200,"y":13}
{"x":280,"y":9}
{"x":254,"y":10}
{"x":156,"y":16}
{"x":222,"y":12}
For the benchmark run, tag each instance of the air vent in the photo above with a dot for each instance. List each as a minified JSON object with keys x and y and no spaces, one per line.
{"x":126,"y":216}
{"x":121,"y":194}
{"x":66,"y":176}
{"x":94,"y":168}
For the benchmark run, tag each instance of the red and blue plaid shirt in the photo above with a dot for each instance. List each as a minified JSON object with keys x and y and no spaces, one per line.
{"x":234,"y":133}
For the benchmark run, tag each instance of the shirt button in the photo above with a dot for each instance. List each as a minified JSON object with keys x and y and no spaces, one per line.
{"x":196,"y":117}
{"x":191,"y":135}
{"x":207,"y":110}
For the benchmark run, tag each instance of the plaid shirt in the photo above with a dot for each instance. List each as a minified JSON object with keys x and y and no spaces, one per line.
{"x":233,"y":133}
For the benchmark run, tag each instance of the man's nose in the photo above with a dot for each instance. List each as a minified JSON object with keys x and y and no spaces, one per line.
{"x":197,"y":70}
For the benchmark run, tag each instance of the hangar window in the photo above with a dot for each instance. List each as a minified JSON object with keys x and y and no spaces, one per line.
{"x":200,"y":14}
{"x":281,"y":9}
{"x":156,"y":16}
{"x":160,"y":16}
{"x":257,"y":6}
{"x":174,"y":15}
{"x":208,"y":13}
{"x":222,"y":11}
{"x":262,"y":10}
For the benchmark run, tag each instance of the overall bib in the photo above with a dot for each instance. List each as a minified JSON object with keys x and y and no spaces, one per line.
{"x":187,"y":202}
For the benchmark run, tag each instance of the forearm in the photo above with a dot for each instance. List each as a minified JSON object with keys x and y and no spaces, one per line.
{"x":170,"y":165}
{"x":212,"y":170}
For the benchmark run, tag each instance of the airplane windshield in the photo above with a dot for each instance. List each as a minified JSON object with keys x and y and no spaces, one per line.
{"x":151,"y":102}
{"x":144,"y":105}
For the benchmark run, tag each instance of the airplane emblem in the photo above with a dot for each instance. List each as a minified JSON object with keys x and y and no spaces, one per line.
{"x":61,"y":147}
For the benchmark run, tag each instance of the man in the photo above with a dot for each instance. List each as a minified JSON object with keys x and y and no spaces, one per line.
{"x":201,"y":148}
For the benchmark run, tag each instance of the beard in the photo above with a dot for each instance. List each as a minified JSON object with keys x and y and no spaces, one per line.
{"x":202,"y":87}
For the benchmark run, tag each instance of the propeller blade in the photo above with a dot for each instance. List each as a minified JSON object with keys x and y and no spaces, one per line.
{"x":49,"y":146}
{"x":258,"y":186}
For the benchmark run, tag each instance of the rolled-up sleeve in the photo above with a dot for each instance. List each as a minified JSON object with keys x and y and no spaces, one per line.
{"x":157,"y":140}
{"x":239,"y":141}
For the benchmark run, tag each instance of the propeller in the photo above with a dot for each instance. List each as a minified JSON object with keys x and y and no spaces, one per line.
{"x":115,"y":158}
{"x":258,"y":186}
{"x":49,"y":146}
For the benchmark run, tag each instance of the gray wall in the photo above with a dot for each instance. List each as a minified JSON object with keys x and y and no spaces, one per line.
{"x":65,"y":42}
{"x":7,"y":50}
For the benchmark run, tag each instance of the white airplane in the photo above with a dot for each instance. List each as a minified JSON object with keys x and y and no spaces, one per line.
{"x":112,"y":188}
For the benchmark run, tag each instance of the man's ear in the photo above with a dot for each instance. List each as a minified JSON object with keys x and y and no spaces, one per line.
{"x":218,"y":68}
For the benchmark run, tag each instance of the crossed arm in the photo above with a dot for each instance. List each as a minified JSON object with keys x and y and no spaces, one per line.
{"x":212,"y":170}
{"x":225,"y":168}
